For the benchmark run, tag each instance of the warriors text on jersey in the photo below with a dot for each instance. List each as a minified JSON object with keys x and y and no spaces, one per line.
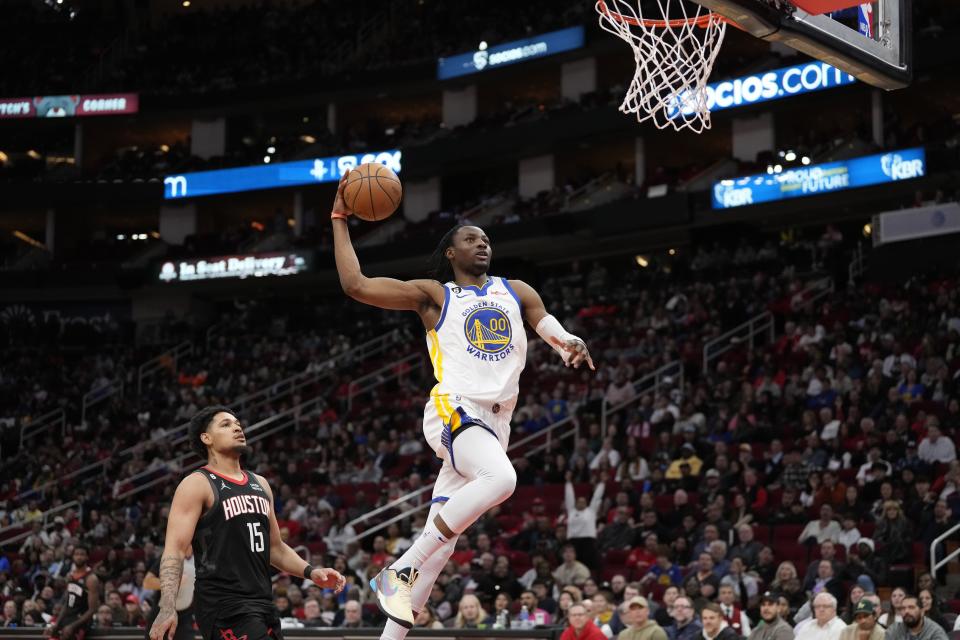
{"x":479,"y":346}
{"x":231,"y":547}
{"x":78,"y":598}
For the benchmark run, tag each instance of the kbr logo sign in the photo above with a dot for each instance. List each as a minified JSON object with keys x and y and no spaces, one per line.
{"x":899,"y":165}
{"x":896,"y":168}
{"x":732,"y":197}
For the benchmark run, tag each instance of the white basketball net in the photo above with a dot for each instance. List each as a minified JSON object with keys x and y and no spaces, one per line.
{"x":674,"y":59}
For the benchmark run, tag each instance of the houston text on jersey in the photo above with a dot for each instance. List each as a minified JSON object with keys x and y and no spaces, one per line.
{"x":237,"y":505}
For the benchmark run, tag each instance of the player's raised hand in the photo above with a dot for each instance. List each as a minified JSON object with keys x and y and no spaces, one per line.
{"x":329,"y":579}
{"x":577,"y":353}
{"x":340,"y":208}
{"x":165,"y":626}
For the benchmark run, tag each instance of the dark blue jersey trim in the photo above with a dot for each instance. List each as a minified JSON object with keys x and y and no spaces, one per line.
{"x":443,"y":311}
{"x":506,"y":284}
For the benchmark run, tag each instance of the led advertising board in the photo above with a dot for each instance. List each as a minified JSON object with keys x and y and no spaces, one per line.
{"x":253,"y":265}
{"x":823,"y":178}
{"x":103,"y":104}
{"x":501,"y":55}
{"x":773,"y":85}
{"x":271,"y":176}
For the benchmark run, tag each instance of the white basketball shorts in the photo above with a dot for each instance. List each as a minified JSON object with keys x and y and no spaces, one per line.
{"x":440,"y":431}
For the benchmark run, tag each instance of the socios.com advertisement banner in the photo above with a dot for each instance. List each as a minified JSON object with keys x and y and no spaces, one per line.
{"x":271,"y":176}
{"x":510,"y":53}
{"x":773,"y":85}
{"x":823,"y":178}
{"x":102,"y":104}
{"x":253,"y":265}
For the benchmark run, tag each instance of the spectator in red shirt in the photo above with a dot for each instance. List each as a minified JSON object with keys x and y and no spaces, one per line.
{"x":753,"y":491}
{"x":581,"y":627}
{"x":831,"y":492}
{"x":642,"y":558}
{"x":463,"y":554}
{"x":379,"y":556}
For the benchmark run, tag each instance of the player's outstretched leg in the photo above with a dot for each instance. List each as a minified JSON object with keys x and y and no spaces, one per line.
{"x":478,"y":456}
{"x":420,"y":592}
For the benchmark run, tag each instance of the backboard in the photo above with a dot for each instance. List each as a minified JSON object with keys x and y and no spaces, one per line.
{"x":871,"y":42}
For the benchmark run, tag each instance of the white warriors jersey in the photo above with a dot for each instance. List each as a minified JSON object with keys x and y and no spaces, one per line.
{"x":479,"y":346}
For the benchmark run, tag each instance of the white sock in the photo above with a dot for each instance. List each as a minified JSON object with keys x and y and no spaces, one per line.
{"x":429,"y":542}
{"x":394,"y":631}
{"x":424,"y":584}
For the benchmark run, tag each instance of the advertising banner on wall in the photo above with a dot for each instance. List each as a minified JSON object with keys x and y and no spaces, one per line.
{"x":775,"y":84}
{"x":75,"y":106}
{"x":823,"y":178}
{"x":937,"y":219}
{"x":501,"y":55}
{"x":252,"y":265}
{"x":271,"y":176}
{"x":60,"y":318}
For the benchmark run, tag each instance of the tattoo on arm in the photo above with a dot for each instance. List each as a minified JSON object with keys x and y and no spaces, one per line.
{"x":171,"y":570}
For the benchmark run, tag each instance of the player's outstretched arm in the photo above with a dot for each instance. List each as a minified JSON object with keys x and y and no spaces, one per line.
{"x":284,"y":558}
{"x":185,"y":511}
{"x":386,"y":293}
{"x":571,"y":348}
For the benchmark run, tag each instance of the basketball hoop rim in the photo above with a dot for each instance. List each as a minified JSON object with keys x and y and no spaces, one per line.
{"x":700,"y":21}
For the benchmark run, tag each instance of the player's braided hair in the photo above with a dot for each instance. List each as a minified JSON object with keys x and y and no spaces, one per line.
{"x":199,"y":423}
{"x":439,"y":265}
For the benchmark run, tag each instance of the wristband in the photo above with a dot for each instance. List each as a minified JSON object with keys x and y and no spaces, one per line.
{"x":553,"y":333}
{"x":307,"y":570}
{"x":337,"y":215}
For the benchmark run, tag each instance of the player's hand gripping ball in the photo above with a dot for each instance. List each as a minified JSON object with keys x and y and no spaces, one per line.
{"x":372,"y":192}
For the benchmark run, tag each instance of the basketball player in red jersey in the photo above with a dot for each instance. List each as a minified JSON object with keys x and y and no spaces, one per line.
{"x":82,"y":599}
{"x":227,"y":514}
{"x":477,"y":342}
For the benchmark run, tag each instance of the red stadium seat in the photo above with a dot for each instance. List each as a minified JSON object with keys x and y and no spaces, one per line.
{"x":761,"y":533}
{"x":616,"y":556}
{"x":654,"y":590}
{"x":664,"y":503}
{"x":793,"y":551}
{"x":646,"y":446}
{"x":613,"y":569}
{"x":786,"y":532}
{"x":510,"y":523}
{"x":317,"y":547}
{"x":920,"y":553}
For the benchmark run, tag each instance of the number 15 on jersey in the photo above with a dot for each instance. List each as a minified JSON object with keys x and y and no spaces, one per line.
{"x":256,"y":537}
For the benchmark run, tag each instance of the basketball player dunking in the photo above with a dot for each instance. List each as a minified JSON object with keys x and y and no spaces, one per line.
{"x":227,"y":514}
{"x":478,"y":346}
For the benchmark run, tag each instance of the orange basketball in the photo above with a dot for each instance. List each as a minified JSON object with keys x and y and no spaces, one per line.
{"x":373,"y":192}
